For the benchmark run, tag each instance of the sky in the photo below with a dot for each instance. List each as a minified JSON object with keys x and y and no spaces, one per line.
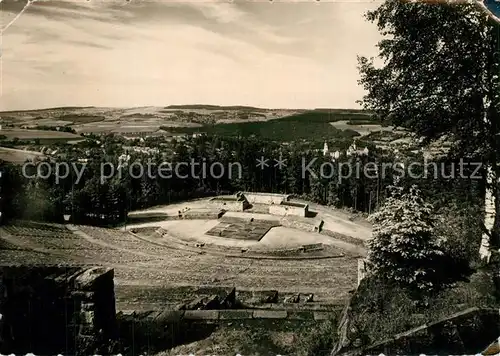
{"x":157,"y":53}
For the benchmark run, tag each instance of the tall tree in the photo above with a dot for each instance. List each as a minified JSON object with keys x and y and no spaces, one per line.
{"x":440,"y":77}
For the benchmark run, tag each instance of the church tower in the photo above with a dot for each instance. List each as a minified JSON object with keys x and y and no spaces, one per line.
{"x":325,"y":149}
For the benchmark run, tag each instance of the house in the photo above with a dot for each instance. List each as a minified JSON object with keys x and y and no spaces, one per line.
{"x":136,"y":131}
{"x":352,"y":150}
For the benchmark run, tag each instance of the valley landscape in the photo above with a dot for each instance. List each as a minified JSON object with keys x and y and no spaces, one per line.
{"x":249,"y":178}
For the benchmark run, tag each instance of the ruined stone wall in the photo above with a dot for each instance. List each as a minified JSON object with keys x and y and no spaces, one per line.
{"x":229,"y":205}
{"x":265,"y":198}
{"x":145,"y":216}
{"x":202,"y":215}
{"x":311,"y":225}
{"x":55,"y":309}
{"x":284,"y":210}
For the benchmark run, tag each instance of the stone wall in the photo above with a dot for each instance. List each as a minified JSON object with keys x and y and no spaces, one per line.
{"x":55,"y":309}
{"x":265,"y":198}
{"x":309,"y":225}
{"x":285,"y":208}
{"x":228,"y":203}
{"x":239,"y":314}
{"x":145,"y":216}
{"x":202,"y":214}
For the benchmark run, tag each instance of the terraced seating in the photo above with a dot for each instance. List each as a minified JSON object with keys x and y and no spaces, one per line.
{"x":112,"y":236}
{"x":54,"y":238}
{"x":39,"y":230}
{"x":124,"y":240}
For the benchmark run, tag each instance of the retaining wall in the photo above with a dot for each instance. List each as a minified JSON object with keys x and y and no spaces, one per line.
{"x":311,"y":225}
{"x":284,"y":209}
{"x":265,"y":198}
{"x":145,"y":216}
{"x":202,"y":214}
{"x":240,"y":314}
{"x":230,"y":204}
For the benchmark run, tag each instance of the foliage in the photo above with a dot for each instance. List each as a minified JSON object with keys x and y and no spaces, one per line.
{"x":460,"y":226}
{"x":91,"y":201}
{"x":439,"y":78}
{"x":318,"y":341}
{"x":383,"y":309}
{"x":55,"y":128}
{"x":403,"y":248}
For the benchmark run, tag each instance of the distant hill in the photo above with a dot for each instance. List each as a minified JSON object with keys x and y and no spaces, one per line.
{"x":48,"y":109}
{"x":213,"y":107}
{"x":350,"y":111}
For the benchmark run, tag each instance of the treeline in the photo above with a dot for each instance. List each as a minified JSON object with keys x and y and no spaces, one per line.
{"x":94,"y":192}
{"x":311,"y":125}
{"x":54,"y":128}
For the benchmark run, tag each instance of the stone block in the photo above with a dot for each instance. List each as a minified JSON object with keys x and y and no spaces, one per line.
{"x":227,"y":298}
{"x":211,"y":302}
{"x":83,"y":295}
{"x":169,"y":316}
{"x":306,"y":298}
{"x":92,"y":276}
{"x":195,"y":304}
{"x":201,"y":314}
{"x":44,"y":292}
{"x":87,"y":317}
{"x":265,"y":296}
{"x":292,"y":298}
{"x":235,"y":314}
{"x":313,"y":247}
{"x":87,"y":306}
{"x":270,"y":314}
{"x":148,"y":316}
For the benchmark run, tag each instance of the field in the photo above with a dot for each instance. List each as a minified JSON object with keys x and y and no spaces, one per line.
{"x":312,"y":125}
{"x":84,"y":119}
{"x":17,"y":156}
{"x":274,"y":124}
{"x":364,"y":127}
{"x":25,"y":134}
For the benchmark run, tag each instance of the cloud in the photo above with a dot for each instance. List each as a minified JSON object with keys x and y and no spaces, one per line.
{"x":106,"y":53}
{"x":221,"y":12}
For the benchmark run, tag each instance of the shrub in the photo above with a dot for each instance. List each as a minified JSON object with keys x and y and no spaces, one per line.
{"x":382,"y":309}
{"x":318,"y":341}
{"x":460,"y":227}
{"x":404,"y":249}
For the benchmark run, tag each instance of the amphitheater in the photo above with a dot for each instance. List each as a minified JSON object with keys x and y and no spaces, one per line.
{"x":171,"y":254}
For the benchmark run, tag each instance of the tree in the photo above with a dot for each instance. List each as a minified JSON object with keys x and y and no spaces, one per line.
{"x":440,"y":78}
{"x":404,"y":249}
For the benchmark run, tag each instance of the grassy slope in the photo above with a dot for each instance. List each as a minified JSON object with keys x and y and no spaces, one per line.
{"x":262,"y":337}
